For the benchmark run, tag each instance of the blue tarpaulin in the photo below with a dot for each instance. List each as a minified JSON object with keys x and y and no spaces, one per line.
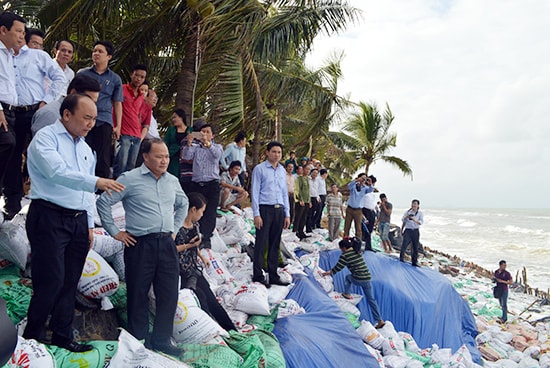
{"x":417,"y":300}
{"x":322,"y":337}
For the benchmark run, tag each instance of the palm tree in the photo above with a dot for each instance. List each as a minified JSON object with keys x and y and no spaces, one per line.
{"x":366,"y":138}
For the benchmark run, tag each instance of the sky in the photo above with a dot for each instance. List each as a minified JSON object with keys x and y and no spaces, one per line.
{"x":468,"y":82}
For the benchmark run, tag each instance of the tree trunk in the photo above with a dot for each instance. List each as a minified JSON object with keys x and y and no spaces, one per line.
{"x":187,"y":77}
{"x":256,"y":145}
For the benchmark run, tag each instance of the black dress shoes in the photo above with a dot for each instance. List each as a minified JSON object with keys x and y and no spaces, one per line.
{"x":75,"y":347}
{"x":167,"y":348}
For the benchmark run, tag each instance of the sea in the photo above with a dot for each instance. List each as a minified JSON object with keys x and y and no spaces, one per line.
{"x":486,"y":236}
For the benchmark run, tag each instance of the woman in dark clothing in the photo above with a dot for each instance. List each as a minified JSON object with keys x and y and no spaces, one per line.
{"x":173,"y":138}
{"x":188,"y":241}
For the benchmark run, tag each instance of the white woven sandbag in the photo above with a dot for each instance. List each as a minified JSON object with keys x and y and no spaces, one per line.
{"x":119,"y":216}
{"x":252,"y":299}
{"x":376,"y":354}
{"x":217,"y":243}
{"x":132,"y":354}
{"x":410,"y":343}
{"x":192,"y":325}
{"x":98,"y":279}
{"x":30,"y":354}
{"x":289,"y":307}
{"x":217,"y":271}
{"x":462,"y":357}
{"x":238,"y":318}
{"x":396,"y":361}
{"x":14,"y":244}
{"x":370,"y":335}
{"x":276,"y":294}
{"x":232,"y":231}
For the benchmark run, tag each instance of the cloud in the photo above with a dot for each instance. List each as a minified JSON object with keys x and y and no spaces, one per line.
{"x":467,"y":82}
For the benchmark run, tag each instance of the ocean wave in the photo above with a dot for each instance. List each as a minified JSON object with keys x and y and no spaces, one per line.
{"x":521,"y":230}
{"x":466,"y":223}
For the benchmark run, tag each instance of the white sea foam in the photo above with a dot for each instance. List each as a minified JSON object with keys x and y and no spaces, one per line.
{"x":465,"y":223}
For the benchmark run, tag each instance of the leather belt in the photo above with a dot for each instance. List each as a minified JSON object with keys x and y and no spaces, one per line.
{"x":155,"y":235}
{"x":64,"y":211}
{"x":272,"y":205}
{"x":14,"y":108}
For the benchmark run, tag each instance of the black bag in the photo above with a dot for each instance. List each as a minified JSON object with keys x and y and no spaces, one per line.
{"x":497,"y":292}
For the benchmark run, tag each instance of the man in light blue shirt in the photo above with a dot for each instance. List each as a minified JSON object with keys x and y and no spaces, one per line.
{"x":412,"y":219}
{"x":236,"y":151}
{"x":60,"y":220}
{"x":155,"y":207}
{"x":357,"y":190}
{"x":271,"y":211}
{"x":32,"y":69}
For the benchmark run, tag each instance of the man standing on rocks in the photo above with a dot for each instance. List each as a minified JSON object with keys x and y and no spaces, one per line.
{"x":503,"y":279}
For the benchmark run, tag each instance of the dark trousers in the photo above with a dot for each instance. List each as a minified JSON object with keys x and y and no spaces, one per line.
{"x":210,"y":304}
{"x":153,"y":260}
{"x":211,"y":191}
{"x":13,"y":178}
{"x":291,"y":204}
{"x":410,"y":236}
{"x":312,"y":214}
{"x":100,"y":139}
{"x":300,"y":217}
{"x":59,"y":245}
{"x":319,"y":213}
{"x":370,"y":216}
{"x":268,"y":236}
{"x":7,"y":144}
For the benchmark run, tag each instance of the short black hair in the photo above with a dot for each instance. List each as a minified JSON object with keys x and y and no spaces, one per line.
{"x":207,"y":126}
{"x":181,"y":114}
{"x":33,"y":32}
{"x":323,"y":171}
{"x":314,"y":169}
{"x":383,"y":195}
{"x":57,"y":44}
{"x":372,"y":178}
{"x":7,"y":18}
{"x":240,"y":136}
{"x":417,"y":201}
{"x":289,"y":163}
{"x":272,"y":144}
{"x":148,"y":143}
{"x":71,"y":102}
{"x":234,"y":164}
{"x":196,"y":200}
{"x":109,"y":47}
{"x":502,"y":262}
{"x":140,"y":67}
{"x":83,"y":83}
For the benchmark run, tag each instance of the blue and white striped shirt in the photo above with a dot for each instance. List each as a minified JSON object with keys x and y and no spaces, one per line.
{"x":206,"y":161}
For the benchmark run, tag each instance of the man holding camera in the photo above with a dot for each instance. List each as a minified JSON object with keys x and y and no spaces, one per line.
{"x":412,"y":219}
{"x":358,"y":188}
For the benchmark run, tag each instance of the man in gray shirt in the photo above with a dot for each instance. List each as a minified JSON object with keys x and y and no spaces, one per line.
{"x":155,"y":207}
{"x":50,"y":113}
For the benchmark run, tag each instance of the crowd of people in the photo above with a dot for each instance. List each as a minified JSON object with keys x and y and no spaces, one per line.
{"x":62,"y":126}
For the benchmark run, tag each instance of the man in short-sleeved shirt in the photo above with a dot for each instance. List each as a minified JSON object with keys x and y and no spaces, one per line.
{"x":384,"y":221}
{"x":232,"y":193}
{"x":110,"y":98}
